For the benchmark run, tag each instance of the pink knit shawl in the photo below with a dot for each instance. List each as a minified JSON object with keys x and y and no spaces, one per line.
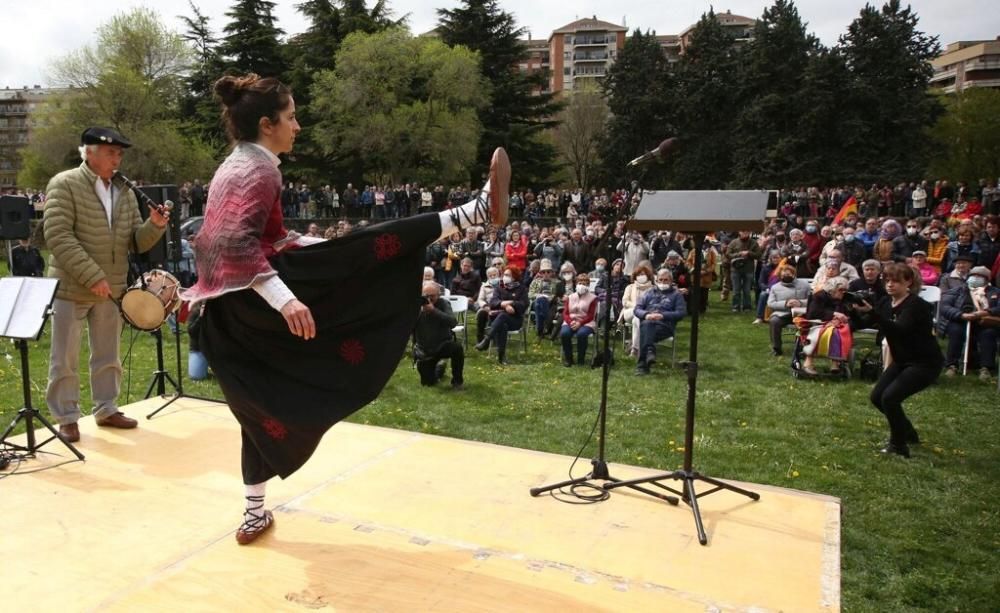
{"x":243,"y":221}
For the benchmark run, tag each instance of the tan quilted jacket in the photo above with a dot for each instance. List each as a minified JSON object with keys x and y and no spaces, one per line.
{"x":84,"y":247}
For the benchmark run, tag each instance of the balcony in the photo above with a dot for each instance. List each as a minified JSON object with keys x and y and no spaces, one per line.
{"x":590,"y":41}
{"x":589,"y":75}
{"x":944,"y":75}
{"x":981,"y":83}
{"x":591,"y":57}
{"x":990,"y":64}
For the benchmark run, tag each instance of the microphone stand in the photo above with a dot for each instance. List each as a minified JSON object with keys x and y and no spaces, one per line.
{"x":600,"y":465}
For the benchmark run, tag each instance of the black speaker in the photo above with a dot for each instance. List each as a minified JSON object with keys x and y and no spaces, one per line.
{"x":15,"y":217}
{"x":170,"y":244}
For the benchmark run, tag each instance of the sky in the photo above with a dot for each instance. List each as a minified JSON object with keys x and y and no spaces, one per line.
{"x":40,"y":31}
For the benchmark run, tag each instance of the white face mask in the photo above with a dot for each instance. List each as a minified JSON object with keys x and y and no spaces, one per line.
{"x":642,"y":279}
{"x":582,"y":289}
{"x":662,"y":286}
{"x":568,"y":276}
{"x":508,"y":280}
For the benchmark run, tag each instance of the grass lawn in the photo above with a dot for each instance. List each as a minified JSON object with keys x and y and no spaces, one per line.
{"x":918,"y":535}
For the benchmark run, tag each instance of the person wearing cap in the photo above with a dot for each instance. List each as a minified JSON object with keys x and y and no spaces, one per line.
{"x":971,"y":308}
{"x":928,"y":274}
{"x":544,"y":290}
{"x":956,"y":278}
{"x":91,"y":223}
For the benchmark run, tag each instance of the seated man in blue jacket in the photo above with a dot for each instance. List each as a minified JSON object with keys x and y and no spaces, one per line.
{"x":658,"y":311}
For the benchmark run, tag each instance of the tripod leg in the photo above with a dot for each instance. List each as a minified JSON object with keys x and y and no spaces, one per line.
{"x":59,"y":436}
{"x":691,"y":497}
{"x":538,"y":491}
{"x":728,"y":486}
{"x":152,"y":384}
{"x":165,"y":405}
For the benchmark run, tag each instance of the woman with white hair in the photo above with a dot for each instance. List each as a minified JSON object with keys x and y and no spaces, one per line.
{"x":829,"y":332}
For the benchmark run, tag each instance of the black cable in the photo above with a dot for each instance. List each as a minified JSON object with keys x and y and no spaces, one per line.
{"x":573,"y":495}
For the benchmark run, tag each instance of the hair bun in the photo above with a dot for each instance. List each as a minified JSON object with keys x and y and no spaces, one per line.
{"x":230,"y":89}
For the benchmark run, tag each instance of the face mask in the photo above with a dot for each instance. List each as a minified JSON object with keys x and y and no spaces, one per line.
{"x":662,"y":286}
{"x":935,"y":235}
{"x":911,"y":231}
{"x":976,"y":281}
{"x":599,"y":268}
{"x":508,"y":280}
{"x":494,"y":282}
{"x":810,"y":229}
{"x":568,"y":276}
{"x":642,"y":279}
{"x":848,"y":238}
{"x":582,"y":289}
{"x":787,"y":279}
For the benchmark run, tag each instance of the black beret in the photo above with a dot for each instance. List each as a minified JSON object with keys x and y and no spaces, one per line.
{"x":103,"y":136}
{"x":965,"y":257}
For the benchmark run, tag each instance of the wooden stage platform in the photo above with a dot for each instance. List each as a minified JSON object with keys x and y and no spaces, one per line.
{"x":385,"y":520}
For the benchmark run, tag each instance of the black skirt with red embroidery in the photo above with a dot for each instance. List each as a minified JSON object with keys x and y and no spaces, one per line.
{"x":364,"y":294}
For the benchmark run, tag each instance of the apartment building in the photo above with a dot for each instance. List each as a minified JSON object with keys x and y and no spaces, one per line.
{"x":583,"y":50}
{"x":16,"y":109}
{"x":965,"y":64}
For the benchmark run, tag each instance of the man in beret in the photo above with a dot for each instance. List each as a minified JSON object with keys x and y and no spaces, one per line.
{"x":90,"y":225}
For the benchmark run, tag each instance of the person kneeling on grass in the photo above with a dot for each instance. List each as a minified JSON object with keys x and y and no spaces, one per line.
{"x":434,"y":339}
{"x":658,"y":312}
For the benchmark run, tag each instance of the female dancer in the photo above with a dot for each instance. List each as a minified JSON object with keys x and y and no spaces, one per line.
{"x":906,"y":321}
{"x":296,"y":332}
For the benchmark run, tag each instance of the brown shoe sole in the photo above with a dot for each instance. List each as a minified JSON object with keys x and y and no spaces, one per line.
{"x":70,"y":436}
{"x":499,"y":187}
{"x":245,"y":538}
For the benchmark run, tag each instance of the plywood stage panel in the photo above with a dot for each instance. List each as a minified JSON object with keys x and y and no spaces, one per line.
{"x":386,"y":520}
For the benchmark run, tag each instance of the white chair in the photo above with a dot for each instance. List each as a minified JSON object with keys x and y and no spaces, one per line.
{"x":460,"y":309}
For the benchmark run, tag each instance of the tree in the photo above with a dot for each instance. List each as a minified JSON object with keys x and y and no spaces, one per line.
{"x":580,"y":132}
{"x":513,"y":114}
{"x":198,"y":105}
{"x":252,"y":41}
{"x":887,"y":101}
{"x":405,"y":106}
{"x":132,"y":80}
{"x":968,"y":136}
{"x":638,"y":91}
{"x":772,"y":148}
{"x":706,"y":101}
{"x":315,"y":50}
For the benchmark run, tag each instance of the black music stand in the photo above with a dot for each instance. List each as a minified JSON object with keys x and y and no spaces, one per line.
{"x":697,"y":213}
{"x":25,"y":305}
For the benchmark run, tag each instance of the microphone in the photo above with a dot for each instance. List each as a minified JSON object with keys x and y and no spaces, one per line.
{"x":166,"y":207}
{"x":661,"y":151}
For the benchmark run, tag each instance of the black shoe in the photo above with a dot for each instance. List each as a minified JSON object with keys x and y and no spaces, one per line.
{"x":650,"y":359}
{"x":503,"y":361}
{"x":567,"y":362}
{"x":439,"y":371}
{"x":776,"y":352}
{"x":457,"y":386}
{"x":912,"y":438}
{"x":484,"y":344}
{"x":892,"y":448}
{"x":641,"y":371}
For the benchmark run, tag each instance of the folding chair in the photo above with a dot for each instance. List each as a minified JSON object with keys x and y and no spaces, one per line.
{"x":460,"y":309}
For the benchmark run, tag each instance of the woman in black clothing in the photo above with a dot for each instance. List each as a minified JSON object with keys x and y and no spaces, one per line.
{"x":507,"y":307}
{"x":906,"y":321}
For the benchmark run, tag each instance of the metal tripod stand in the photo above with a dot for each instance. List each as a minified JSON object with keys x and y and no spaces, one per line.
{"x":687,"y":475}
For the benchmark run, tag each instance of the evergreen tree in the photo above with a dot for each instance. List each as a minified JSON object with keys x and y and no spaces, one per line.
{"x":514,"y":117}
{"x":252,"y":41}
{"x":772,"y":147}
{"x":638,"y":88}
{"x":888,"y":102}
{"x":706,"y":101}
{"x":198,"y":106}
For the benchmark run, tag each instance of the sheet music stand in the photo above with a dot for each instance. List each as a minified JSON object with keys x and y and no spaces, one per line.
{"x":697,"y":213}
{"x":25,"y":305}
